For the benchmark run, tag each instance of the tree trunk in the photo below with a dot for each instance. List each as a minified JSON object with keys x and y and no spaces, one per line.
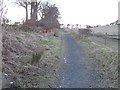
{"x":26,"y":12}
{"x":34,"y":11}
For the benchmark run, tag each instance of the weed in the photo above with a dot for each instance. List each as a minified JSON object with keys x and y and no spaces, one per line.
{"x":36,"y":57}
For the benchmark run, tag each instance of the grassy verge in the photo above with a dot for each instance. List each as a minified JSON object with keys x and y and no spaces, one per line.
{"x":35,"y":59}
{"x":52,"y":58}
{"x":49,"y":62}
{"x":105,"y":60}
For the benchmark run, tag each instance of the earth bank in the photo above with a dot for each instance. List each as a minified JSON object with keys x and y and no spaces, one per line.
{"x":31,"y":59}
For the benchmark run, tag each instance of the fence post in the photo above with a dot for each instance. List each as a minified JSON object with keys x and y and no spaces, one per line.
{"x":79,"y":33}
{"x":105,"y":38}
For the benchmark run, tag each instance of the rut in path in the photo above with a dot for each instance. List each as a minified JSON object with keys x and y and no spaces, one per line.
{"x":78,"y":72}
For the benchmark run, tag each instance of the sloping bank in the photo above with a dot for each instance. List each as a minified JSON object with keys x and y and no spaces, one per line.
{"x":30,"y":59}
{"x":105,"y":60}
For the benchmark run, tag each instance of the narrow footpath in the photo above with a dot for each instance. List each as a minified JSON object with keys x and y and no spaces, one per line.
{"x":78,"y":72}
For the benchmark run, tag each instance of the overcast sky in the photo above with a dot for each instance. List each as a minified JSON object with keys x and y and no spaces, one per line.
{"x":84,"y":12}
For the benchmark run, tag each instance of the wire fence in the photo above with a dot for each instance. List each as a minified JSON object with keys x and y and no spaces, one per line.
{"x":105,"y":40}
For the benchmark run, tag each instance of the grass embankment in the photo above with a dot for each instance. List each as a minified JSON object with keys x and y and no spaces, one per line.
{"x":51,"y":60}
{"x":52,"y":57}
{"x":30,"y":59}
{"x":105,"y":60}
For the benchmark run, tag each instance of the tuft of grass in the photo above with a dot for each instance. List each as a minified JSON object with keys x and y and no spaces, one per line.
{"x":36,"y":57}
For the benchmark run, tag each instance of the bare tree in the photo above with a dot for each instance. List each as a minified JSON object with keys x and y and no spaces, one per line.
{"x":3,"y":10}
{"x":50,"y":17}
{"x":43,"y":8}
{"x":24,"y":4}
{"x":34,"y":11}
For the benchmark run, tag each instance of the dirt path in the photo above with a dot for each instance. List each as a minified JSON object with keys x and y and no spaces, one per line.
{"x":78,"y":72}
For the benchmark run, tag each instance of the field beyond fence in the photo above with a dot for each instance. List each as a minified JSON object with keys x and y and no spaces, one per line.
{"x":107,"y":36}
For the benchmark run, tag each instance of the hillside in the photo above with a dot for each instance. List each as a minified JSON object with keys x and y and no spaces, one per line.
{"x":30,"y":59}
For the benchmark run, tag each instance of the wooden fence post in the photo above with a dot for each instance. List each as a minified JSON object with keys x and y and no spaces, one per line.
{"x":105,"y":38}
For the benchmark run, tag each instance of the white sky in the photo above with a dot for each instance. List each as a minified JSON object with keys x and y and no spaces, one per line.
{"x":84,"y":12}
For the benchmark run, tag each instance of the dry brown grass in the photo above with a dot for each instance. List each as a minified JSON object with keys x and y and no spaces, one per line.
{"x":18,"y":49}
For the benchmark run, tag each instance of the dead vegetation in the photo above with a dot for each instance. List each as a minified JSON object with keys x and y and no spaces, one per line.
{"x":30,"y":59}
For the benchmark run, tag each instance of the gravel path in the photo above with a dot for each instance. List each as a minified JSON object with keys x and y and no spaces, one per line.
{"x":78,"y":72}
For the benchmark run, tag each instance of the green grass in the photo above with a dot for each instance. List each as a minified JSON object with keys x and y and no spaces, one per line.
{"x":105,"y":60}
{"x":49,"y":59}
{"x":51,"y":41}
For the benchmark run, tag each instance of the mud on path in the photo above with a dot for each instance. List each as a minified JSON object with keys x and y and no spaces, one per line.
{"x":78,"y":71}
